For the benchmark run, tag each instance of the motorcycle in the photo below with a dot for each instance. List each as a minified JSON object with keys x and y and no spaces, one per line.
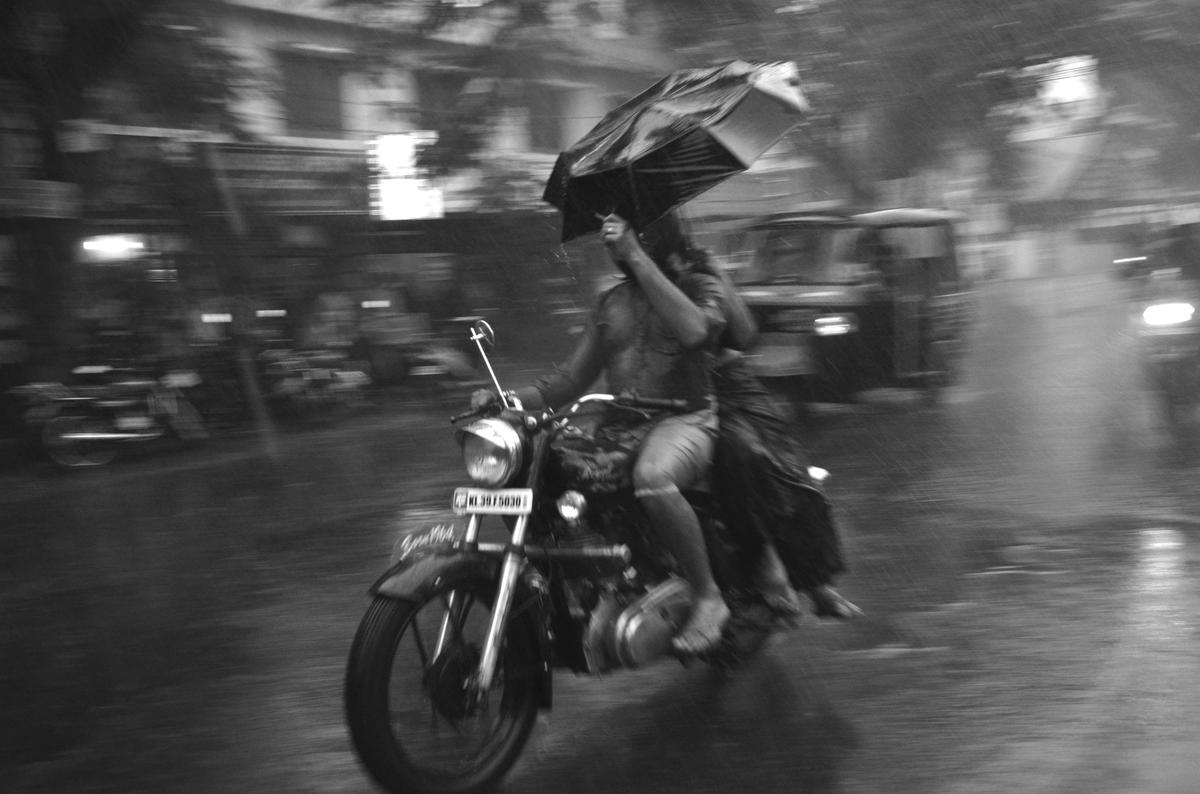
{"x":456,"y":654}
{"x":1168,"y":335}
{"x":88,"y":423}
{"x":311,"y":385}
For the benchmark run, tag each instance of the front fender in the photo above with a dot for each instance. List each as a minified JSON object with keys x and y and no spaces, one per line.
{"x":415,"y":576}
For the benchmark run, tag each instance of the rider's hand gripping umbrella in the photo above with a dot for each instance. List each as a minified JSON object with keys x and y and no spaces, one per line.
{"x":683,"y":135}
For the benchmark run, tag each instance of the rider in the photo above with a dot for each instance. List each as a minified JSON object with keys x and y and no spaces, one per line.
{"x":655,"y":334}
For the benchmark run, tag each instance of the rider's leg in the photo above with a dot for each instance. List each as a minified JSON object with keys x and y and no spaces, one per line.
{"x":814,"y":552}
{"x":676,"y":454}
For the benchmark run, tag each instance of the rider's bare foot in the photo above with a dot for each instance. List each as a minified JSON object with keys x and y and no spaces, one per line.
{"x":829,"y":603}
{"x":784,"y":602}
{"x":704,"y":626}
{"x":772,"y":582}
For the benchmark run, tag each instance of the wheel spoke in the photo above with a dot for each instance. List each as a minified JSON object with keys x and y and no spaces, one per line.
{"x":454,"y":618}
{"x":420,"y":643}
{"x":461,"y":610}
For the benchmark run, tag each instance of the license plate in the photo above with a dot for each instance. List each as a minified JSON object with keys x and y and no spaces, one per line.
{"x":778,"y":355}
{"x":502,"y":502}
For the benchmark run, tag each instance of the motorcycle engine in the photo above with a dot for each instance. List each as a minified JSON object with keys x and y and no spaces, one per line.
{"x":630,"y":630}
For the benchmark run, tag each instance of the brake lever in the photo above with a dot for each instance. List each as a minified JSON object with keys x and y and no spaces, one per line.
{"x":471,"y":414}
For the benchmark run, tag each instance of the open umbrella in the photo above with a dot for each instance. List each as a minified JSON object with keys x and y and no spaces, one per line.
{"x":678,"y":138}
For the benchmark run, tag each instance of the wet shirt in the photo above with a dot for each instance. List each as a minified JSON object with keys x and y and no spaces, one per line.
{"x":628,"y":342}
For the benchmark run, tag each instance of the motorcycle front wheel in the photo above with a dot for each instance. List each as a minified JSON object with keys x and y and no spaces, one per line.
{"x":60,"y":438}
{"x":412,"y":717}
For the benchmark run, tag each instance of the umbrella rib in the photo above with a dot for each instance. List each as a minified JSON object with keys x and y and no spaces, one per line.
{"x":686,"y":169}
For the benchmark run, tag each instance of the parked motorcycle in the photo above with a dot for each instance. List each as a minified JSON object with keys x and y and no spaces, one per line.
{"x":312,"y":385}
{"x":90,"y":422}
{"x":456,"y":653}
{"x":1168,"y":335}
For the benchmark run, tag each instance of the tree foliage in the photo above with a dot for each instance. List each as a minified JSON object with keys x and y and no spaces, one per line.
{"x":168,"y":68}
{"x":928,"y":72}
{"x":921,"y":74}
{"x":176,"y":71}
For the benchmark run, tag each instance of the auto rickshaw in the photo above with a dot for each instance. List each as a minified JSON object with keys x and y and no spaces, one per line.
{"x":850,"y":302}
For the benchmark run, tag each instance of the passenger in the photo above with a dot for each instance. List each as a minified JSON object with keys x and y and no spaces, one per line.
{"x":764,"y":487}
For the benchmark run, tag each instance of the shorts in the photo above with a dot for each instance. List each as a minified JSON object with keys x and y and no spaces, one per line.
{"x":677,"y":453}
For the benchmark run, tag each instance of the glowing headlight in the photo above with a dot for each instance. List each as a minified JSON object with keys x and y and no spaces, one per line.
{"x":835,"y":324}
{"x":1168,"y":313}
{"x":572,"y":505}
{"x":492,"y":451}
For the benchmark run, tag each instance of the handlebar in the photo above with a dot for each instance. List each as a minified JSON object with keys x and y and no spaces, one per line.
{"x":471,"y":414}
{"x":625,"y":400}
{"x":652,"y":403}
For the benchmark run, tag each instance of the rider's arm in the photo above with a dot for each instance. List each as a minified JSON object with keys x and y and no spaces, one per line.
{"x":687,"y":321}
{"x":741,"y":332}
{"x":569,"y":379}
{"x":706,"y":294}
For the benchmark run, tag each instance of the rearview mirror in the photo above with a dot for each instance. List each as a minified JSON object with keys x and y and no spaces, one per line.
{"x":481,"y":331}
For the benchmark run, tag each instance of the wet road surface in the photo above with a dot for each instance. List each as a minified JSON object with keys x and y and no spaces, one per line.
{"x":1026,"y":554}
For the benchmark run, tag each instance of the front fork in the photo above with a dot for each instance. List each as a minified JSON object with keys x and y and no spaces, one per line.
{"x":514,"y":559}
{"x":451,"y":613}
{"x":510,"y":570}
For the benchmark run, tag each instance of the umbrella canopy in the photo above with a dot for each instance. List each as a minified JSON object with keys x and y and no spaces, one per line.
{"x":678,"y":138}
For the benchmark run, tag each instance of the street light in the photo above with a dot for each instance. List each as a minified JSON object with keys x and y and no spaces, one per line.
{"x":113,"y":247}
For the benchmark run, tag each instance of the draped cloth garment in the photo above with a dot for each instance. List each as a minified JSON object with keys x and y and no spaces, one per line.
{"x":763,"y":485}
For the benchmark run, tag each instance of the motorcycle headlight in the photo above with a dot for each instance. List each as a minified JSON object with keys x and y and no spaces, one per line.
{"x":1160,"y":314}
{"x":492,"y":451}
{"x":571,"y":506}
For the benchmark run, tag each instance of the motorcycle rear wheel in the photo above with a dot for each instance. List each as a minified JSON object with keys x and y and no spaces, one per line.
{"x":408,"y":706}
{"x":74,"y":453}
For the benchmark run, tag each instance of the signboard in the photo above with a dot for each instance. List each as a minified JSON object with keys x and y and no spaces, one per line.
{"x":290,"y":180}
{"x":132,"y":171}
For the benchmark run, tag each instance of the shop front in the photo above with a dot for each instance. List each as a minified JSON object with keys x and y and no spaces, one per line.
{"x":226,"y":236}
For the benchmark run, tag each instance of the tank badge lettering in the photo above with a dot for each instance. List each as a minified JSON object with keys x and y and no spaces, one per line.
{"x":438,"y":533}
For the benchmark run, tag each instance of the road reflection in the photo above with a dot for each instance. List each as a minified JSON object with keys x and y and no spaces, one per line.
{"x":767,"y":728}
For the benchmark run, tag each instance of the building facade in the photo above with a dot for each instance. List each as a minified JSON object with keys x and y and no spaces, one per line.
{"x":318,"y":216}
